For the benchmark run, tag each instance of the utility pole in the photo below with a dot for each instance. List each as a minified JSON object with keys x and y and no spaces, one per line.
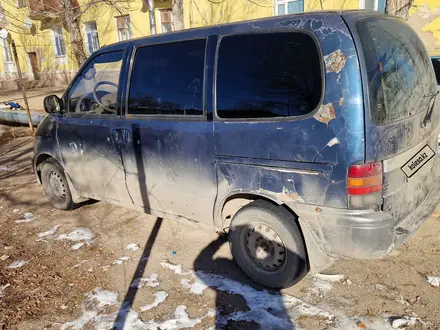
{"x":151,"y":16}
{"x":20,"y":79}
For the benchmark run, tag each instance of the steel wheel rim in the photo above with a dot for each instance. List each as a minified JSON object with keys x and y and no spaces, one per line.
{"x":57,"y":185}
{"x":264,"y":246}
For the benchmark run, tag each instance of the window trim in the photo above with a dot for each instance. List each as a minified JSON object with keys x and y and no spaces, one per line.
{"x":201,"y":117}
{"x":270,"y":119}
{"x":7,"y":49}
{"x":54,"y":34}
{"x":65,"y":97}
{"x":161,"y":11}
{"x":129,"y":27}
{"x":86,"y":40}
{"x":285,"y":2}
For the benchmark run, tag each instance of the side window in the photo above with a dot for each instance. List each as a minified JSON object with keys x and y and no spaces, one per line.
{"x":268,"y":75}
{"x":95,"y":90}
{"x":167,"y":79}
{"x":436,"y":64}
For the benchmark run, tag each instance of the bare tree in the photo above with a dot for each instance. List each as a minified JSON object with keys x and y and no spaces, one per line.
{"x":177,"y":10}
{"x":399,"y":7}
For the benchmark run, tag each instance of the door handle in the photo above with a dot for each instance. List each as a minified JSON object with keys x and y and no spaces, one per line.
{"x":121,"y":135}
{"x":115,"y":133}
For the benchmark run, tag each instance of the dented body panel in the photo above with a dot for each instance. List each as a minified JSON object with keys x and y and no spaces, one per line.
{"x":192,"y":168}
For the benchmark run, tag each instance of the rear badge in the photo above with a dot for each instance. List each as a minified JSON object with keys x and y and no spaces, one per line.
{"x":417,"y":162}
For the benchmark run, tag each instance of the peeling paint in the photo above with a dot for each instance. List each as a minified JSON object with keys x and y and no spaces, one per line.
{"x":325,"y":113}
{"x":332,"y":142}
{"x":335,"y":61}
{"x":341,"y":101}
{"x":73,"y":146}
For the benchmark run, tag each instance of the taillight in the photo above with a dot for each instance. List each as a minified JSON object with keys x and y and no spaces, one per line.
{"x":364,"y":185}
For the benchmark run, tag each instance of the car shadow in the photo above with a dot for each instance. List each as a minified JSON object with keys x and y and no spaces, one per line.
{"x":230,"y":302}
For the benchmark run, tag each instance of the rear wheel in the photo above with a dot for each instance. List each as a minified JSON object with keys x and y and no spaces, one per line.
{"x":55,"y":185}
{"x":267,"y":245}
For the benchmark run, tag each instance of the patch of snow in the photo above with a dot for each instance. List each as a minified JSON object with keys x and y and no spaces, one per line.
{"x":79,"y":234}
{"x":160,"y":297}
{"x":181,"y":320}
{"x":77,"y":246}
{"x":150,"y":281}
{"x":196,"y":287}
{"x":27,"y":217}
{"x":271,"y":311}
{"x":94,"y":315}
{"x":323,"y":283}
{"x":17,"y":264}
{"x":177,"y":269}
{"x":132,"y":247}
{"x":83,"y":235}
{"x":403,"y":321}
{"x":4,"y":168}
{"x":15,"y":210}
{"x":50,"y":232}
{"x":434,"y":280}
{"x":103,"y":297}
{"x":121,"y":260}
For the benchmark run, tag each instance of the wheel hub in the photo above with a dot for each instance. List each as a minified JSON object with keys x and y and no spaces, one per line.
{"x":57,"y":185}
{"x":264,"y":246}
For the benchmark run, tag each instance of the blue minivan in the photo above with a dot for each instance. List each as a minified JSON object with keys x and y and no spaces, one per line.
{"x":306,"y":137}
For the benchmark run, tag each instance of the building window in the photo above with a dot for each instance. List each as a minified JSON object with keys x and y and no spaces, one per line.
{"x":268,"y":75}
{"x":283,"y":7}
{"x":7,"y":54}
{"x":124,"y":27}
{"x":92,"y":40}
{"x":60,"y":46}
{"x":368,"y":4}
{"x":21,"y":3}
{"x":166,"y":20}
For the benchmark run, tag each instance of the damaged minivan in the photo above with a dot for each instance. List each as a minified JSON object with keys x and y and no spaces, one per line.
{"x":307,"y":137}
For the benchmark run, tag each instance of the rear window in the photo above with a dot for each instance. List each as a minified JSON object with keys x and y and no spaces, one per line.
{"x":400,"y":77}
{"x":268,"y":75}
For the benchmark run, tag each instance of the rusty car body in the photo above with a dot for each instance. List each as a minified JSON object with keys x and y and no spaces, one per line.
{"x":356,"y":173}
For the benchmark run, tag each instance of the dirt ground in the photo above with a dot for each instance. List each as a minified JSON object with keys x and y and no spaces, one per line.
{"x":104,"y":267}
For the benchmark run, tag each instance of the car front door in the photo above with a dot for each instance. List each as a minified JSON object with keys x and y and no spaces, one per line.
{"x":88,"y":135}
{"x":170,"y":164}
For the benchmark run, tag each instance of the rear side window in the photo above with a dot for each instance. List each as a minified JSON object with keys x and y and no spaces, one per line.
{"x":400,"y":77}
{"x":268,"y":75}
{"x":167,"y":79}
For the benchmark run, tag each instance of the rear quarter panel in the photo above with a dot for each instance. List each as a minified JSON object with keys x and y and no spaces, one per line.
{"x":299,"y":160}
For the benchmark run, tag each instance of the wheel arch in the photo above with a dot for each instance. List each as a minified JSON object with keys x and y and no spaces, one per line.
{"x":317,"y":259}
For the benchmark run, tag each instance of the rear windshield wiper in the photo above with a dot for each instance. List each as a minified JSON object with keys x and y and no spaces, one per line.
{"x":430,"y":107}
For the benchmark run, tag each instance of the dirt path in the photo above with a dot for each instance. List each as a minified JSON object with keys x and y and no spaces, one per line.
{"x":101,"y":266}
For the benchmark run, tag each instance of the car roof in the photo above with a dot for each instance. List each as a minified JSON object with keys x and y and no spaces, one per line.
{"x":187,"y":32}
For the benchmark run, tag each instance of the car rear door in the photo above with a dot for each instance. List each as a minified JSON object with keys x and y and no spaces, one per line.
{"x":401,"y":109}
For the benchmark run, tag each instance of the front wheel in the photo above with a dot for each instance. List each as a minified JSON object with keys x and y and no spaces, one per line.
{"x":55,"y":185}
{"x":267,"y":245}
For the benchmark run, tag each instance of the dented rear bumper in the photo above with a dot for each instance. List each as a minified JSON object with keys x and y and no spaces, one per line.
{"x":364,"y":234}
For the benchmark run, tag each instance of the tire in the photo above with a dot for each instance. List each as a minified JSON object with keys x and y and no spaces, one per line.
{"x":55,"y":185}
{"x":266,"y":264}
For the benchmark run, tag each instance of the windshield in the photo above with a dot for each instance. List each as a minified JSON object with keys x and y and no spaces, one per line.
{"x":400,"y":76}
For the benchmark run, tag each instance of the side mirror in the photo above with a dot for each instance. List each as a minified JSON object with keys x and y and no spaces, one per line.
{"x":53,"y":104}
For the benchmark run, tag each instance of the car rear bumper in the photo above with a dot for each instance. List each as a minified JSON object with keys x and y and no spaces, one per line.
{"x":364,"y":234}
